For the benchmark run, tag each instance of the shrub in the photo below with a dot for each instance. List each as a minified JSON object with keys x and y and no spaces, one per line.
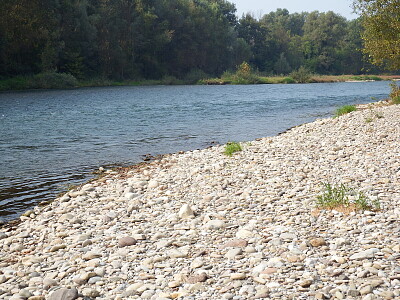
{"x":16,"y":83}
{"x":243,"y":75}
{"x":366,"y":78}
{"x":302,"y":75}
{"x":288,"y":80}
{"x":394,"y":95}
{"x":170,"y":80}
{"x":344,"y":198}
{"x":231,"y":148}
{"x":345,"y":109}
{"x":194,"y":76}
{"x":53,"y":80}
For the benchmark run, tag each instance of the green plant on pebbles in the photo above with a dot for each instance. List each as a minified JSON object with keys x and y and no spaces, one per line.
{"x":231,"y":148}
{"x":345,"y":109}
{"x":372,"y":115}
{"x":394,"y":93}
{"x":344,"y":198}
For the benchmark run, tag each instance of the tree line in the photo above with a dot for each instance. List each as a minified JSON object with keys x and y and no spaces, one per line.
{"x":151,"y":39}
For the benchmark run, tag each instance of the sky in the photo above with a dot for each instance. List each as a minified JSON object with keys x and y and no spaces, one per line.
{"x":261,"y":7}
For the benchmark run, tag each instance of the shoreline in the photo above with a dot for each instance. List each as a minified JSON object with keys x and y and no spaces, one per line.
{"x":212,"y":81}
{"x":201,"y":225}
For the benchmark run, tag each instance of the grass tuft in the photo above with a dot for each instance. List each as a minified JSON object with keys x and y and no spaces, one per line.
{"x":345,"y":109}
{"x":231,"y":148}
{"x":343,"y":198}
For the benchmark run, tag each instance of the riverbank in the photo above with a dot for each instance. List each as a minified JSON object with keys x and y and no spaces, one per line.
{"x":65,"y":81}
{"x":201,"y":225}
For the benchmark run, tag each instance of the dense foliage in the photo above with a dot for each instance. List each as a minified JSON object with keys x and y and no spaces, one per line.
{"x":381,"y":19}
{"x":153,"y":39}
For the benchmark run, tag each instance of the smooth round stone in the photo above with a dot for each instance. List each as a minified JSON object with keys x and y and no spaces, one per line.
{"x":64,"y":294}
{"x":126,"y":241}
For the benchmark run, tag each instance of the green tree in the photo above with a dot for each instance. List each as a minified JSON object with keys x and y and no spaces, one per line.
{"x":257,"y":36}
{"x":323,"y":34}
{"x":282,"y":65}
{"x":381,"y":36}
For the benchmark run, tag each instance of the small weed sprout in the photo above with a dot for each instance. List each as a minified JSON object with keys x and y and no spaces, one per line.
{"x":338,"y":198}
{"x":345,"y":109}
{"x":369,"y":119}
{"x":373,"y":115}
{"x":231,"y":148}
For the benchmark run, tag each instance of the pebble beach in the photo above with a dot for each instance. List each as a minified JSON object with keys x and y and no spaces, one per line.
{"x":203,"y":225}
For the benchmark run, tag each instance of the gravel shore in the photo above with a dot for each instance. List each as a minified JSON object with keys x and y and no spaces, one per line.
{"x":201,"y":225}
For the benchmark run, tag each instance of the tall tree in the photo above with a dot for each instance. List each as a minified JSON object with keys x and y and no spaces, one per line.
{"x":323,"y":34}
{"x":381,"y":21}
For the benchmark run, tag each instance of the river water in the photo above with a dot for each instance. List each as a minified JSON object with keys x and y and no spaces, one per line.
{"x":51,"y":139}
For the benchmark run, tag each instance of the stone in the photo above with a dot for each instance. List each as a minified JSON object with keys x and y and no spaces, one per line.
{"x":202,"y":277}
{"x":64,"y":294}
{"x":57,"y":247}
{"x":387,"y":294}
{"x":186,"y":212}
{"x":48,"y":283}
{"x":236,"y":243}
{"x":353,"y":293}
{"x":24,"y":293}
{"x":370,"y":253}
{"x":244,"y":234}
{"x":215,"y":225}
{"x":317,"y":242}
{"x":153,"y":184}
{"x":91,"y":293}
{"x":306,"y":283}
{"x":238,"y":276}
{"x":366,"y":290}
{"x":91,"y":255}
{"x":174,"y":253}
{"x":288,"y":236}
{"x":126,"y":241}
{"x":231,"y":254}
{"x":174,"y":284}
{"x":197,"y":263}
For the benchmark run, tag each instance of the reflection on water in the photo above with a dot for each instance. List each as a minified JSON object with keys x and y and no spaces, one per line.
{"x":50,"y":139}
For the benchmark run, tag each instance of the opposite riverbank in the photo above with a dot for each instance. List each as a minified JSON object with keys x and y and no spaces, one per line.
{"x":66,"y":81}
{"x":201,"y":225}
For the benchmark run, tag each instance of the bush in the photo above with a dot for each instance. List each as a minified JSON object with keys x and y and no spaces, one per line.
{"x":170,"y":80}
{"x":232,"y":147}
{"x":394,"y":93}
{"x":288,"y":80}
{"x":16,"y":83}
{"x":366,"y":78}
{"x":53,"y":80}
{"x":243,"y":75}
{"x":302,"y":75}
{"x":345,"y":109}
{"x":342,"y":197}
{"x":195,"y":75}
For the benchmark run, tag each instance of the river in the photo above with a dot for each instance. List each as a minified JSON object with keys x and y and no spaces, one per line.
{"x":55,"y":138}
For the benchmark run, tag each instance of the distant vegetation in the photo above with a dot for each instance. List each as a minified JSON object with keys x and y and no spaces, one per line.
{"x":171,"y":42}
